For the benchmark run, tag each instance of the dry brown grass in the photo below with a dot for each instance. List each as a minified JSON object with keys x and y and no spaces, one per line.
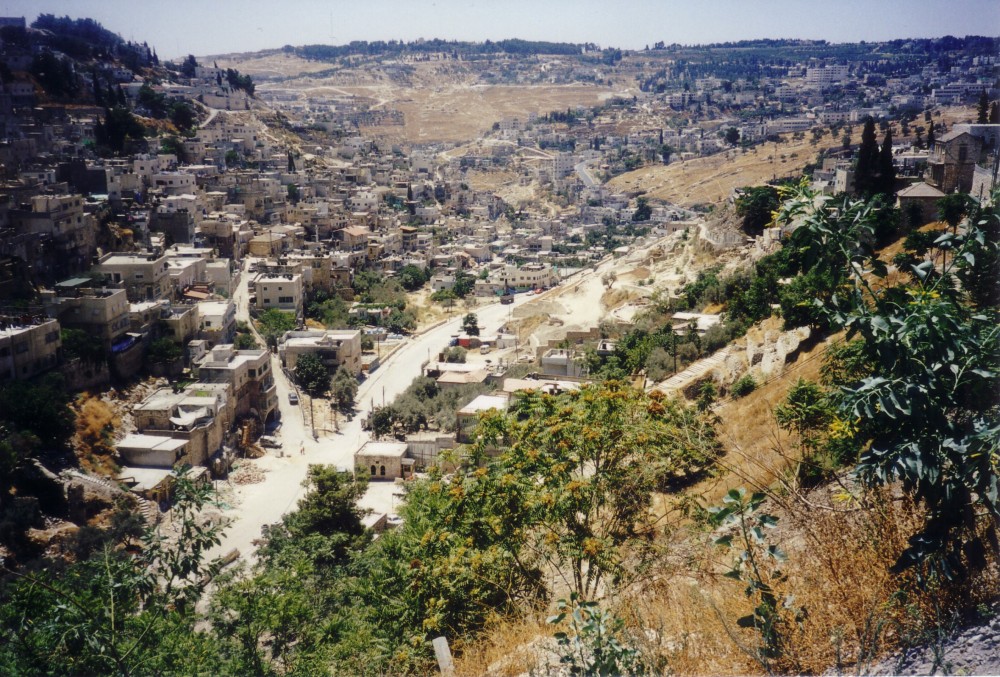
{"x":508,"y":648}
{"x":838,"y":571}
{"x":756,"y":452}
{"x":711,"y":179}
{"x":95,"y":426}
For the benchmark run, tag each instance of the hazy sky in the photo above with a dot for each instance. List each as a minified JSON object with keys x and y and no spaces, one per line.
{"x":204,"y":27}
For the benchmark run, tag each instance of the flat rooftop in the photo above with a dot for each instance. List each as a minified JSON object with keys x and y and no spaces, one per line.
{"x":372,"y":448}
{"x":485,"y":403}
{"x":151,"y":442}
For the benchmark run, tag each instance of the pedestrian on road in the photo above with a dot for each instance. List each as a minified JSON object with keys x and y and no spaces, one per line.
{"x":302,"y":448}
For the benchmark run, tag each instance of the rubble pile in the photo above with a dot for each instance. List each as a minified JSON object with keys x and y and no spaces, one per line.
{"x":247,"y":474}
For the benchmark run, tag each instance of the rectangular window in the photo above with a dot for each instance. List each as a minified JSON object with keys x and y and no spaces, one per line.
{"x":285,"y":299}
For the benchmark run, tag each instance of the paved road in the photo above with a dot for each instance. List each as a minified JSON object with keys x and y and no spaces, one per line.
{"x":584,"y":174}
{"x":264,"y":503}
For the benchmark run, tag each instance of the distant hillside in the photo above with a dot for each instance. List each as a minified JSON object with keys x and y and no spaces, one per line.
{"x":436,"y":46}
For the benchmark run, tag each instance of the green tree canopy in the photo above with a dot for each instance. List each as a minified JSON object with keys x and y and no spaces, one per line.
{"x":470,"y":324}
{"x":311,"y":375}
{"x":273,"y":323}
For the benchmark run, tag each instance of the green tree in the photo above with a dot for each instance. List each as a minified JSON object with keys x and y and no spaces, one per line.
{"x":732,"y":136}
{"x":245,"y":341}
{"x":886,"y":170}
{"x":866,"y":168}
{"x":983,"y":108}
{"x":174,"y":146}
{"x":163,"y":350}
{"x":344,"y":388}
{"x":183,"y":116}
{"x":757,"y":565}
{"x":120,"y":611}
{"x":596,"y":642}
{"x":586,"y":462}
{"x":953,"y":208}
{"x":464,"y":284}
{"x":807,"y":411}
{"x":311,"y":375}
{"x":118,"y":127}
{"x":382,"y":420}
{"x":77,"y":343}
{"x":273,"y":323}
{"x":755,"y":205}
{"x":642,"y":210}
{"x":928,"y":416}
{"x":470,"y":324}
{"x":412,"y":277}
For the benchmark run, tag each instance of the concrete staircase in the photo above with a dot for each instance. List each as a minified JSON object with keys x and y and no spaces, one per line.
{"x":694,"y":371}
{"x":149,"y":510}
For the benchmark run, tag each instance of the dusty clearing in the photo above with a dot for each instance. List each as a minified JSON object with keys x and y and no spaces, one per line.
{"x":460,"y":113}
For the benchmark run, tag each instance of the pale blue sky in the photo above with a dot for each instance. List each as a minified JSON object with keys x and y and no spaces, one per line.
{"x":203,"y":27}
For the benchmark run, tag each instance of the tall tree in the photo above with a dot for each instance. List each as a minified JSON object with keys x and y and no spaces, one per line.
{"x":983,"y":108}
{"x":868,"y":156}
{"x":886,"y":171}
{"x":311,"y":375}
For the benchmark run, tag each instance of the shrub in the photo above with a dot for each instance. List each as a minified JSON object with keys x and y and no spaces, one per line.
{"x":743,"y":386}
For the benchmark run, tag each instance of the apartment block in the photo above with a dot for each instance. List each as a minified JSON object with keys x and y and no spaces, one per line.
{"x":283,"y":292}
{"x":29,"y":345}
{"x":146,"y":277}
{"x":334,"y":348}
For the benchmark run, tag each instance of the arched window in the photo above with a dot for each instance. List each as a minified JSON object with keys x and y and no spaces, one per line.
{"x":373,"y":469}
{"x":382,"y":471}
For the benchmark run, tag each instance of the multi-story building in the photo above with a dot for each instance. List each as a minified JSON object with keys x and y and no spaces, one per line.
{"x":334,"y":348}
{"x":100,"y":311}
{"x":952,"y":161}
{"x":249,"y":376}
{"x":200,"y":415}
{"x":217,"y":321}
{"x":283,"y":292}
{"x":29,"y":345}
{"x":146,"y":277}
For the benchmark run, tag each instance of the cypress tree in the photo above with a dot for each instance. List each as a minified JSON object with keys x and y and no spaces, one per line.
{"x":994,"y":114}
{"x":983,"y":108}
{"x":868,"y":158}
{"x":886,"y":171}
{"x":930,"y":138}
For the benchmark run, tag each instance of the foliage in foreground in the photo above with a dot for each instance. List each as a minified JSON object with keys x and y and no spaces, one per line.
{"x":929,"y":415}
{"x":121,"y":611}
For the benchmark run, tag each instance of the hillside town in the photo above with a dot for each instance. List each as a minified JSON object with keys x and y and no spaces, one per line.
{"x":231,"y":278}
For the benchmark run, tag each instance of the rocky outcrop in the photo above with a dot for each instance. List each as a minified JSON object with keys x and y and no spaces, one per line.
{"x":768,"y":350}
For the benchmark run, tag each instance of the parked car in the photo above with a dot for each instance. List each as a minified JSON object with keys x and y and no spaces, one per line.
{"x":293,"y":398}
{"x":269,"y":442}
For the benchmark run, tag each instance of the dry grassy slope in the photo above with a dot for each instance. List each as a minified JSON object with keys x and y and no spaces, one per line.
{"x":713,"y":178}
